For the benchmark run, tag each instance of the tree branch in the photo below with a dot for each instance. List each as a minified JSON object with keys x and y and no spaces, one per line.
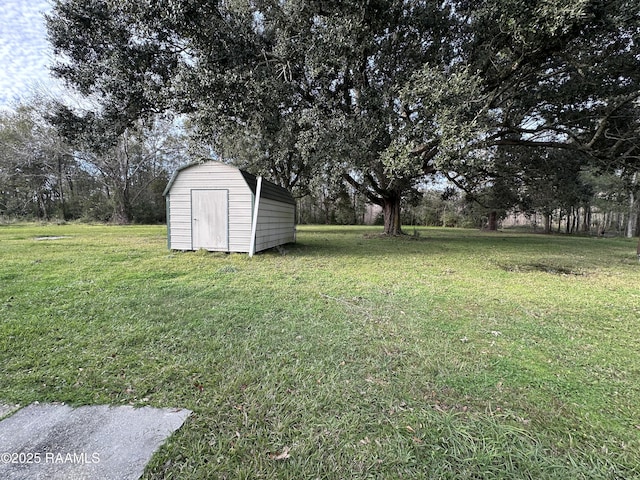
{"x":362,"y":189}
{"x":604,"y":121}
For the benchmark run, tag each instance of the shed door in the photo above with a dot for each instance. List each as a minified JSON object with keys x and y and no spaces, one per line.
{"x":210,"y":219}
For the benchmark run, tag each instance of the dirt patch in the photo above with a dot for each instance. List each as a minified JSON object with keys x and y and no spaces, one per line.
{"x":541,"y":267}
{"x":50,"y":238}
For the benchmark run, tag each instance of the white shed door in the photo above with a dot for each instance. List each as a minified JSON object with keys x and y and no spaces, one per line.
{"x":210,"y":219}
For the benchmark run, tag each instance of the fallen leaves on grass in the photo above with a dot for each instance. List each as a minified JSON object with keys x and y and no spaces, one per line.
{"x":279,"y":456}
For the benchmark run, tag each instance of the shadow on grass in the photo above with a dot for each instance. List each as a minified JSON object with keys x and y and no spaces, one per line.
{"x":338,"y":241}
{"x":542,"y":267}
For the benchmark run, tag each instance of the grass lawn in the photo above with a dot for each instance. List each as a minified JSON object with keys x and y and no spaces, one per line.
{"x":450,"y":354}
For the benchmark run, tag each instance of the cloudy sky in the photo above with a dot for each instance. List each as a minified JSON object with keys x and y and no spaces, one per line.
{"x":25,"y":54}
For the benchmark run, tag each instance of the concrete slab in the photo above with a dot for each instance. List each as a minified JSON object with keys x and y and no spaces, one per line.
{"x":58,"y":442}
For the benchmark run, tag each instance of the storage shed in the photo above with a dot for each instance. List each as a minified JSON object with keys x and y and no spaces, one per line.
{"x":220,"y":208}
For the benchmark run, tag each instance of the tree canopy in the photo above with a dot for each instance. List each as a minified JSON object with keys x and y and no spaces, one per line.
{"x":378,"y":94}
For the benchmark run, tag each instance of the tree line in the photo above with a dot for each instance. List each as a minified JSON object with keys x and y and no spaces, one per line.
{"x":516,"y":104}
{"x":44,"y":177}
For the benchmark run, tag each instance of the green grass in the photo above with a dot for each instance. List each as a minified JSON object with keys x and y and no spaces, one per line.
{"x":452,"y":354}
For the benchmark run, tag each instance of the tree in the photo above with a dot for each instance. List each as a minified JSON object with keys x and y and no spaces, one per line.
{"x":142,"y":156}
{"x":384,"y":91}
{"x":35,"y":164}
{"x":560,"y":75}
{"x":552,"y":180}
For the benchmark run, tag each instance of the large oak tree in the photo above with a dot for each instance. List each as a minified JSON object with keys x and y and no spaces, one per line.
{"x":380,"y":93}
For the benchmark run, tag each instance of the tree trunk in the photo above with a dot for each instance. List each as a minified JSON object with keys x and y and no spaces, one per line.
{"x":493,"y":221}
{"x":586,"y":223}
{"x":63,"y":207}
{"x":547,"y":223}
{"x":120,"y":215}
{"x":633,"y":215}
{"x":391,"y":212}
{"x":121,"y":207}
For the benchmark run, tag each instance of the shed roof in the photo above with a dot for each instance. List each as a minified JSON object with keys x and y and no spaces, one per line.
{"x":268,"y":190}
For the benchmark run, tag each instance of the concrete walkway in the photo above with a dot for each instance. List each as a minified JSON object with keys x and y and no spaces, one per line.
{"x":58,"y":442}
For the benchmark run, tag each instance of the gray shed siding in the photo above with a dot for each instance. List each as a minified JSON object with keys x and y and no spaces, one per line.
{"x":276,"y":216}
{"x":275,"y":224}
{"x":209,"y":176}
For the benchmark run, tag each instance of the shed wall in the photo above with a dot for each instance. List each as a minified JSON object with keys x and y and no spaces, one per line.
{"x":210,"y":176}
{"x":276,"y":224}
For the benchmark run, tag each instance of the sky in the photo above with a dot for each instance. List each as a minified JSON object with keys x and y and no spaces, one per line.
{"x":25,"y":55}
